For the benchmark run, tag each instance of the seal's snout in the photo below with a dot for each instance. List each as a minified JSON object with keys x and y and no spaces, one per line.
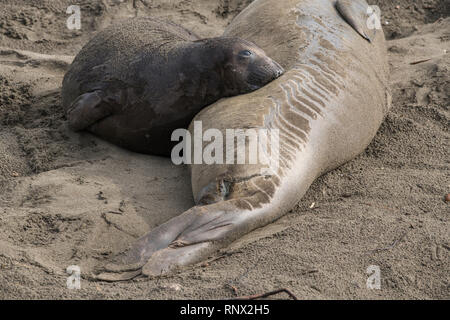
{"x":279,"y":73}
{"x":261,"y":72}
{"x":279,"y":69}
{"x":271,"y":70}
{"x":250,"y":67}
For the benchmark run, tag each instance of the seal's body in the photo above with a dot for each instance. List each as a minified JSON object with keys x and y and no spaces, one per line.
{"x":327,"y":107}
{"x":136,"y":82}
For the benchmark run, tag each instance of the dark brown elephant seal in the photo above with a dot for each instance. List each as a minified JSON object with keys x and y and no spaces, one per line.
{"x":136,"y":82}
{"x":327,"y":108}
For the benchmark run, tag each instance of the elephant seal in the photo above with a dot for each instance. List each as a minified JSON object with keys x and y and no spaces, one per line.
{"x":327,"y":107}
{"x":136,"y":82}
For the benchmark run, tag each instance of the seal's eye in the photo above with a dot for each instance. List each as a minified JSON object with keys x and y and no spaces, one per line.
{"x":245,"y":53}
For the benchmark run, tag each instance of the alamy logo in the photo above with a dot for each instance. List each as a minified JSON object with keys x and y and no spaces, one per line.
{"x":374,"y":280}
{"x":74,"y":279}
{"x":74,"y":20}
{"x":374,"y":20}
{"x":239,"y":146}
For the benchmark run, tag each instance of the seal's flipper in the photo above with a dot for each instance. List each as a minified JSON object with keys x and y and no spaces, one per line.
{"x":166,"y":246}
{"x":363,"y":18}
{"x":193,"y":236}
{"x":86,"y":110}
{"x":119,"y":276}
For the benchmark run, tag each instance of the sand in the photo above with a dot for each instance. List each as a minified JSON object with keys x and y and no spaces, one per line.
{"x":72,"y":199}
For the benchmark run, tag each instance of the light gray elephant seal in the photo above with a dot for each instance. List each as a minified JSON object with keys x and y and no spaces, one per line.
{"x":136,"y":82}
{"x":327,"y":107}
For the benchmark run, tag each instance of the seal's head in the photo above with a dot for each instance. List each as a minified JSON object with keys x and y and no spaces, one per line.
{"x":247,"y":67}
{"x":243,"y":67}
